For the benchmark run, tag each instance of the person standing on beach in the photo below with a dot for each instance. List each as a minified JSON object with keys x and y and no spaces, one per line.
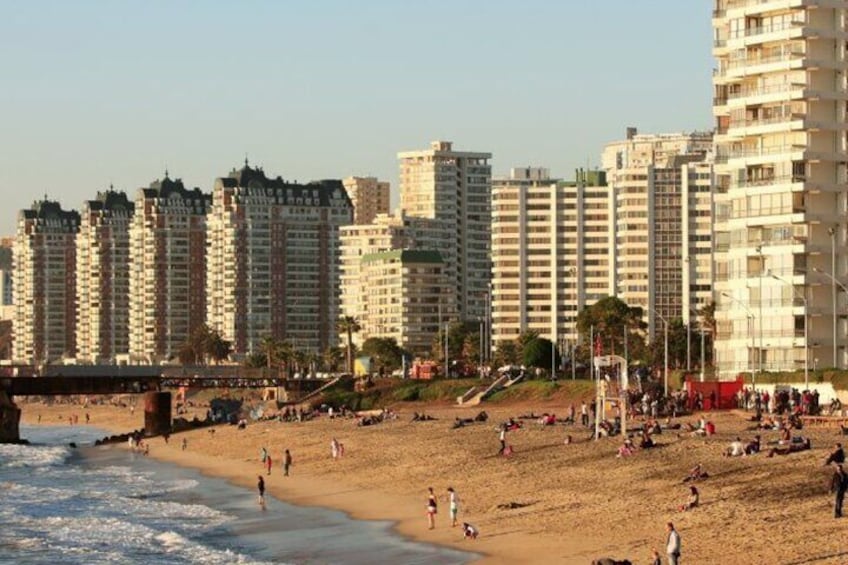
{"x":584,"y":414}
{"x":454,"y":505}
{"x":334,"y":448}
{"x":185,"y":444}
{"x":268,"y":463}
{"x":432,"y":508}
{"x":287,"y":461}
{"x":502,"y":438}
{"x":838,"y":486}
{"x":672,"y":545}
{"x":261,"y":487}
{"x":263,"y":454}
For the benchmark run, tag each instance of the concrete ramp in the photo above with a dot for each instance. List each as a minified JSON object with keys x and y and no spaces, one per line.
{"x":318,"y":391}
{"x":477,"y":394}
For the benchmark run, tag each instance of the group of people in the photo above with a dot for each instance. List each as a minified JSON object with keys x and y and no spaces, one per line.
{"x":785,"y":401}
{"x":268,"y":462}
{"x":469,"y":531}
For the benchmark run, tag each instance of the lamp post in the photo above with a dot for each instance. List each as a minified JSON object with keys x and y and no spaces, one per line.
{"x":701,"y":326}
{"x":750,"y":316}
{"x":665,"y":366}
{"x":832,"y":231}
{"x":834,"y":283}
{"x":762,"y":270}
{"x":806,"y":335}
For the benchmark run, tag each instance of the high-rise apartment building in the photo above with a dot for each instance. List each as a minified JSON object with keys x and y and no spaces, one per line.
{"x":7,"y":310}
{"x":103,"y":278}
{"x":661,"y":189}
{"x":44,"y":284}
{"x":780,"y":103}
{"x":273,"y":260}
{"x":369,"y":196}
{"x":405,"y":289}
{"x":392,"y":233}
{"x":454,"y":186}
{"x":168,"y":269}
{"x":550,"y":252}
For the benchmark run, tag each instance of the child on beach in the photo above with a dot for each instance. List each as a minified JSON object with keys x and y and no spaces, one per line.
{"x":268,"y":463}
{"x":432,"y":508}
{"x":469,"y":531}
{"x":261,"y":487}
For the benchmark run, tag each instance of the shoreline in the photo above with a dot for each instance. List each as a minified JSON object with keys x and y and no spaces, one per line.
{"x":547,"y":502}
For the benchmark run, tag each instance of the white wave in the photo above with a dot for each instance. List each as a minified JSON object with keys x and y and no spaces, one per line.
{"x":174,"y":543}
{"x":17,"y":456}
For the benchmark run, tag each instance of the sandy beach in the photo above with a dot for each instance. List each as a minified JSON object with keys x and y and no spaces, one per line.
{"x":548,"y":502}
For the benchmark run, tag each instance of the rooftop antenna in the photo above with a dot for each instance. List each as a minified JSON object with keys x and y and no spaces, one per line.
{"x":245,"y":160}
{"x":166,"y":170}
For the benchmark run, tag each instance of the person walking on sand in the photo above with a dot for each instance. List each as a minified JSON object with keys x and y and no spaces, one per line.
{"x":432,"y":508}
{"x":263,"y":454}
{"x":185,"y":444}
{"x":261,"y":487}
{"x":454,"y":505}
{"x":672,"y":546}
{"x":838,"y":486}
{"x":584,"y":414}
{"x":268,"y":463}
{"x":334,"y":448}
{"x":502,"y":438}
{"x":287,"y":461}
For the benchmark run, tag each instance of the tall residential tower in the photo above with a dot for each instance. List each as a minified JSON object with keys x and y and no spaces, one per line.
{"x":780,"y":103}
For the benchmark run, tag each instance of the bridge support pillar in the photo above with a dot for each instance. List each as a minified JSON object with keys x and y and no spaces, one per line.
{"x":10,"y":418}
{"x":157,"y":413}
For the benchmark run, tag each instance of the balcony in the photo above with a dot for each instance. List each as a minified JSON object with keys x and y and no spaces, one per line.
{"x":754,"y":152}
{"x":755,"y":61}
{"x":770,"y":181}
{"x":762,"y":30}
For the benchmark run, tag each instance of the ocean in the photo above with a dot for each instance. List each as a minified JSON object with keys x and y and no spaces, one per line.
{"x":94,"y":505}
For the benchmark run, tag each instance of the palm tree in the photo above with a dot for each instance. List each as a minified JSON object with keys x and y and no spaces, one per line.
{"x":349,"y":325}
{"x":270,"y":347}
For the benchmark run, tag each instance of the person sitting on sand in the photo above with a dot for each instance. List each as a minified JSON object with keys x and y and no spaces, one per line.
{"x":753,"y":446}
{"x":785,"y":435}
{"x":736,"y":448}
{"x":646,"y":442}
{"x":696,"y":473}
{"x":469,"y":531}
{"x":626,"y":449}
{"x":836,"y":456}
{"x":568,"y":440}
{"x":692,"y":501}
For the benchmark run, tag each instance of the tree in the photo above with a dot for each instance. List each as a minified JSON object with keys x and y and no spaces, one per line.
{"x":506,"y":353}
{"x":218,"y":348}
{"x":333,"y":358}
{"x":537,"y":353}
{"x":384,"y":351}
{"x":349,"y":326}
{"x":611,"y":318}
{"x":460,"y":334}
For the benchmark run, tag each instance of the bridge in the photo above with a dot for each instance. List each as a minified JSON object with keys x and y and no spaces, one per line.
{"x":153,"y":383}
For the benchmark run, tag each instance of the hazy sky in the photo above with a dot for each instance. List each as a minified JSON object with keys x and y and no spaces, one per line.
{"x":93,"y":93}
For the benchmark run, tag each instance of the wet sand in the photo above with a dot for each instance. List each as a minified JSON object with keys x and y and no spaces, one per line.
{"x":570,"y":503}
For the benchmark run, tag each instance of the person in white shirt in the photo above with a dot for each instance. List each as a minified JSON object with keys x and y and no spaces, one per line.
{"x":502,"y":438}
{"x":454,"y":505}
{"x":672,"y":547}
{"x":736,"y":449}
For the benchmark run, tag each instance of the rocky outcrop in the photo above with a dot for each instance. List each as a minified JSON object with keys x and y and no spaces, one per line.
{"x":10,"y":418}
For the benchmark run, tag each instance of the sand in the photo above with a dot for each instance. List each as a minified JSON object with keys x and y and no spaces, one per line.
{"x":575,"y":502}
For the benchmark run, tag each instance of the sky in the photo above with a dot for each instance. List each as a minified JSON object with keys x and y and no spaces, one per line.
{"x":97,"y":93}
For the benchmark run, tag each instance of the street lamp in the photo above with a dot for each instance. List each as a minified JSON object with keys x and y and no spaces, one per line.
{"x":665,"y":370}
{"x":806,"y":335}
{"x":701,"y":325}
{"x":834,"y":283}
{"x":832,"y":231}
{"x":750,"y":316}
{"x":762,"y":270}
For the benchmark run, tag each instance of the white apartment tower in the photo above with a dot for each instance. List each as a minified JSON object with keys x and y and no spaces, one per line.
{"x":454,"y":186}
{"x":405,"y":288}
{"x":273,"y":260}
{"x":780,"y":106}
{"x":103,"y":278}
{"x":168,"y":269}
{"x":550,"y":252}
{"x":369,"y":196}
{"x":392,"y":233}
{"x":44,"y":284}
{"x":661,"y":205}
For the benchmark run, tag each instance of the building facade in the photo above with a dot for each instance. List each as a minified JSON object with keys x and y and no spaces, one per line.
{"x":391,"y":233}
{"x":661,"y":198}
{"x":273,"y":260}
{"x":401,"y":301}
{"x":455,"y":186}
{"x":369,"y":197}
{"x":780,"y":107}
{"x":103,"y":278}
{"x":168,"y":269}
{"x":550,"y":252}
{"x":45,"y":284}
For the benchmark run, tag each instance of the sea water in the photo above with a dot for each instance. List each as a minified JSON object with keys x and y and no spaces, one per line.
{"x":60,"y":505}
